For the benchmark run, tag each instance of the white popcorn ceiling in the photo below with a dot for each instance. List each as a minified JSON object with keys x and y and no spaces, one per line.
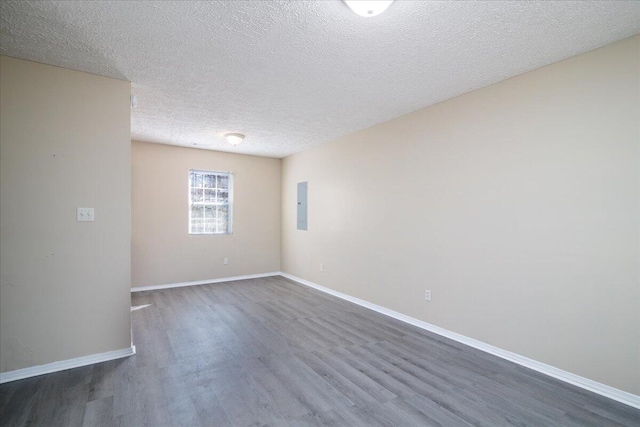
{"x":294,"y":74}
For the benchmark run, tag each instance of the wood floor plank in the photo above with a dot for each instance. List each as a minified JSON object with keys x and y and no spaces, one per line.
{"x":20,"y":399}
{"x":357,"y":375}
{"x":269,"y":352}
{"x":240,"y":396}
{"x":337,"y":381}
{"x":99,"y":412}
{"x":313,"y":391}
{"x":102,"y":381}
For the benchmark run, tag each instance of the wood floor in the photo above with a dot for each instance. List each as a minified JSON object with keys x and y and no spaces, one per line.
{"x":268,"y":352}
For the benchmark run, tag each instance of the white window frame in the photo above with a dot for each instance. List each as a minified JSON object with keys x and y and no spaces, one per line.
{"x":229,"y":203}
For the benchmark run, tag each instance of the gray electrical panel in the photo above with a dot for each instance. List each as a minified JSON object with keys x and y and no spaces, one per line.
{"x":302,"y":206}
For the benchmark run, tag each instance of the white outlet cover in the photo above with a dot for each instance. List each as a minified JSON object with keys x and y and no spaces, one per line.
{"x":427,"y":295}
{"x":85,"y":215}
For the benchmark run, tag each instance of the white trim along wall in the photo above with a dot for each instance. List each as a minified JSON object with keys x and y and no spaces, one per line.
{"x":62,"y":365}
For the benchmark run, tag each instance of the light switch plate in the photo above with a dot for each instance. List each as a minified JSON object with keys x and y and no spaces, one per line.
{"x":85,"y":214}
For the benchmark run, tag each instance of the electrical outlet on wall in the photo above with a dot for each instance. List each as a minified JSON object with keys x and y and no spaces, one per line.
{"x":225,"y":261}
{"x":427,"y":295}
{"x":321,"y":268}
{"x":85,"y":214}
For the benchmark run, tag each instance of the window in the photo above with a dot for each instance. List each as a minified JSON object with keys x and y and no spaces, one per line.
{"x":210,"y":202}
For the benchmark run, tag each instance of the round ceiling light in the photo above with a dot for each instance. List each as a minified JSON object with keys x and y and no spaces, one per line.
{"x":368,"y":8}
{"x":234,"y":138}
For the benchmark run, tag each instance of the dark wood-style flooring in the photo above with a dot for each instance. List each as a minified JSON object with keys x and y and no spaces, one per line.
{"x":268,"y":352}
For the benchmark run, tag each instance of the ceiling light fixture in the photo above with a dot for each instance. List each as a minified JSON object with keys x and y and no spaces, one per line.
{"x":234,"y":138}
{"x":368,"y":8}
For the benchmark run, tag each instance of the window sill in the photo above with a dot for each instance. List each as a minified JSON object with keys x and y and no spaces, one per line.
{"x":210,"y":234}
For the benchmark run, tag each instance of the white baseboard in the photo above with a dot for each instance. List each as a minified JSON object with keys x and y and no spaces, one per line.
{"x":62,"y":365}
{"x":203,"y":282}
{"x":585,"y":383}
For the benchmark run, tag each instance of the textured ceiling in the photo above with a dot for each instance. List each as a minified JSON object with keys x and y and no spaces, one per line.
{"x":293,"y":74}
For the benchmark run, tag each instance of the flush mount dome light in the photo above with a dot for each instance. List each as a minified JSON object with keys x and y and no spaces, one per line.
{"x":234,"y":138}
{"x":368,"y":8}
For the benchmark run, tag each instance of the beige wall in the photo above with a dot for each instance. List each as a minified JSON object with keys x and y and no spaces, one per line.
{"x":162,"y":250}
{"x":64,"y":143}
{"x":517,"y":205}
